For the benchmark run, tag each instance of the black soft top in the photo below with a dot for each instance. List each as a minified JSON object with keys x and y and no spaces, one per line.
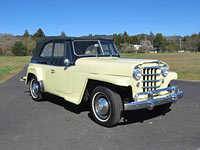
{"x":40,"y":44}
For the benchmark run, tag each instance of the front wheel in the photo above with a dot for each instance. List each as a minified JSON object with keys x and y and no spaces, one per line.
{"x":106,"y":106}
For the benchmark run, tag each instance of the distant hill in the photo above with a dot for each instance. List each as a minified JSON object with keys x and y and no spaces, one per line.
{"x":6,"y":43}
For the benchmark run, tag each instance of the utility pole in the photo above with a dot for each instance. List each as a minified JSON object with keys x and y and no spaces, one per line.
{"x":180,"y":44}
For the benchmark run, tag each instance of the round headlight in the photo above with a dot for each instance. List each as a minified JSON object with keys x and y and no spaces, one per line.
{"x":165,"y":70}
{"x":137,"y":73}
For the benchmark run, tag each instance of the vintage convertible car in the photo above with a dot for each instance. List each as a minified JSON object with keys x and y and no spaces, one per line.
{"x":90,"y":69}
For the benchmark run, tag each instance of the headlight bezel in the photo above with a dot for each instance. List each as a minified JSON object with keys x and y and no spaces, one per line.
{"x":137,"y":73}
{"x":165,"y":70}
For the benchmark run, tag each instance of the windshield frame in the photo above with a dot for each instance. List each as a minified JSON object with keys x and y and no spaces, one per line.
{"x":98,"y":55}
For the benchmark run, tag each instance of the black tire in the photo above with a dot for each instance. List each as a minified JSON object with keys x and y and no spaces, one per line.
{"x":162,"y":108}
{"x":35,"y":94}
{"x":102,"y":97}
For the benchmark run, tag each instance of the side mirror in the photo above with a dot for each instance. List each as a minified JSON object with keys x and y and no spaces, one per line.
{"x":67,"y":62}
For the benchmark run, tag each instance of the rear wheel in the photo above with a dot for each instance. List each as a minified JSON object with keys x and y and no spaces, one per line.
{"x":35,"y":91}
{"x":106,"y":106}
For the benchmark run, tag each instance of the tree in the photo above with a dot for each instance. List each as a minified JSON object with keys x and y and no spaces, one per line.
{"x":30,"y":45}
{"x":125,"y":37}
{"x":146,"y":45}
{"x":62,"y":33}
{"x":151,"y":37}
{"x":171,"y":47}
{"x":133,"y":40}
{"x":118,"y":39}
{"x":159,"y":42}
{"x":19,"y":49}
{"x":26,"y":34}
{"x":90,"y":35}
{"x":39,"y":34}
{"x":142,"y":37}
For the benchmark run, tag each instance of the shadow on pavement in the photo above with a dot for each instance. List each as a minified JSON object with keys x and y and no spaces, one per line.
{"x":67,"y":105}
{"x":128,"y":117}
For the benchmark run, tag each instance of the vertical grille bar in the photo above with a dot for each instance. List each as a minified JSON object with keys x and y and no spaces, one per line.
{"x":151,"y":79}
{"x":144,"y":72}
{"x":155,"y":79}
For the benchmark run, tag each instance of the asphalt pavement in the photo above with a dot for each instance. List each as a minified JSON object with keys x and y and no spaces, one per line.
{"x":55,"y":124}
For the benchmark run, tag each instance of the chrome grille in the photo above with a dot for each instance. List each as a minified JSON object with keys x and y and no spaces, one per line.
{"x":151,"y":80}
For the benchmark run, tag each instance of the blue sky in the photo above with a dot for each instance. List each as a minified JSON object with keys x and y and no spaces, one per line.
{"x":77,"y":18}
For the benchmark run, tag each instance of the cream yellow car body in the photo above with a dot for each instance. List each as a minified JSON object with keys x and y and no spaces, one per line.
{"x":70,"y":81}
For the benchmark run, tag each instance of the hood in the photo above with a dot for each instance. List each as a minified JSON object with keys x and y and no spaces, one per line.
{"x":111,"y":65}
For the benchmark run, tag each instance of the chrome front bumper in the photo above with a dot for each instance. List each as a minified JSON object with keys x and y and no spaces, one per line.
{"x":173,"y":96}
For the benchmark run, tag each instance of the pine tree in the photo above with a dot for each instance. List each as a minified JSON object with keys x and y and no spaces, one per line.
{"x":39,"y":34}
{"x":19,"y":49}
{"x":62,"y":33}
{"x":125,"y":37}
{"x":90,"y":35}
{"x":159,"y":42}
{"x":26,"y":34}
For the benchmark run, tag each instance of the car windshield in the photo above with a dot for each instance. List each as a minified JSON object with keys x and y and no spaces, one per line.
{"x":94,"y":48}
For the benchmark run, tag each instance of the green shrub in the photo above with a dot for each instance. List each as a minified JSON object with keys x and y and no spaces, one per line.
{"x":19,"y":49}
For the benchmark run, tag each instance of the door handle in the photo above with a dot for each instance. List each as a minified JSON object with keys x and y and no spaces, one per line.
{"x":52,"y":71}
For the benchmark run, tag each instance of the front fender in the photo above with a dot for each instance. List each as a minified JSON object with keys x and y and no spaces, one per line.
{"x":171,"y":76}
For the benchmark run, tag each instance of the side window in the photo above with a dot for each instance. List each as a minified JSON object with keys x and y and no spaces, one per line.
{"x":59,"y":54}
{"x":47,"y":50}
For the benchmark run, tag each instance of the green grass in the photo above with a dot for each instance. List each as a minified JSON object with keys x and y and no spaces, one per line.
{"x":187,"y":65}
{"x":11,"y":65}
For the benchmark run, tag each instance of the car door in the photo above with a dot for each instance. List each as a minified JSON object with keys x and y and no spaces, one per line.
{"x":62,"y":75}
{"x":45,"y":66}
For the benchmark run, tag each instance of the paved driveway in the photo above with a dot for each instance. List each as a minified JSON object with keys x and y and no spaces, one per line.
{"x":58,"y":125}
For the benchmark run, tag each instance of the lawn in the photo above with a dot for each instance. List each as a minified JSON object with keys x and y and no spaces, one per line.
{"x":10,"y":66}
{"x":187,"y":65}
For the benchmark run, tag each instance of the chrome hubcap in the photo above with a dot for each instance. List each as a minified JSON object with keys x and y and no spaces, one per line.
{"x":34,"y":89}
{"x":101,"y":106}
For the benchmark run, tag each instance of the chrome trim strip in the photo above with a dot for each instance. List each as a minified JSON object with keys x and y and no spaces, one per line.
{"x":151,"y":80}
{"x":156,"y":74}
{"x":153,"y":67}
{"x":151,"y":102}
